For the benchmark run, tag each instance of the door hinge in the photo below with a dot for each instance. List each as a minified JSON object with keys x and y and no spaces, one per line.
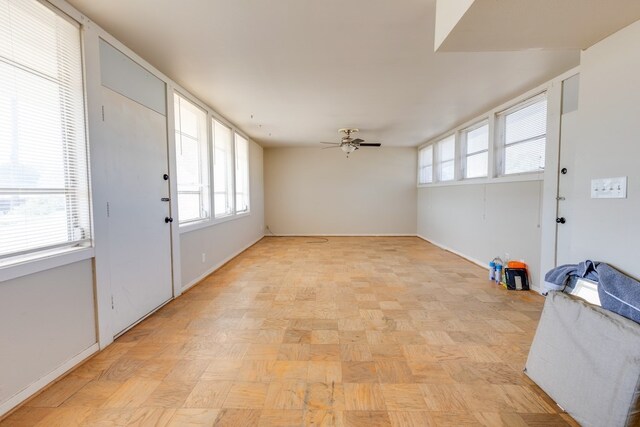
{"x":112,"y":305}
{"x":108,"y":210}
{"x":103,"y":113}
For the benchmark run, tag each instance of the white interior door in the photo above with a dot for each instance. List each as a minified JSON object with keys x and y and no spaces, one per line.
{"x":139,"y":237}
{"x":568,"y":144}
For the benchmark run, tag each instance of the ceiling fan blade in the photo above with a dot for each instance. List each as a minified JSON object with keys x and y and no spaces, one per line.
{"x":325,"y":148}
{"x":370,"y":144}
{"x":330,"y":143}
{"x":357,"y":141}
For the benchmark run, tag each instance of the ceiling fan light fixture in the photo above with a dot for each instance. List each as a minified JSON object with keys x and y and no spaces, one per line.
{"x":348,"y":148}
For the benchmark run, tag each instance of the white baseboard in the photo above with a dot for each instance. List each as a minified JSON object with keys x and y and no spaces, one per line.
{"x":340,"y":235}
{"x":453,"y":251}
{"x":35,"y":387}
{"x":218,"y":265}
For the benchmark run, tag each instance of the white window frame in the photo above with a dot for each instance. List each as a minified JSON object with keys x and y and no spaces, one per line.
{"x":464,"y":154}
{"x":36,"y":259}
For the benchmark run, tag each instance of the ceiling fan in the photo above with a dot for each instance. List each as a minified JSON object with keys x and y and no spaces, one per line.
{"x":348,"y":144}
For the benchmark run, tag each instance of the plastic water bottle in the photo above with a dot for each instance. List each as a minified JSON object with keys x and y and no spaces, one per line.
{"x":493,"y":269}
{"x":498,"y":273}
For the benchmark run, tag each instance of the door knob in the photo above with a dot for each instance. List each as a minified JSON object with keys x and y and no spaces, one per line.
{"x":563,"y":171}
{"x":168,"y":219}
{"x":561,"y":220}
{"x":165,"y":177}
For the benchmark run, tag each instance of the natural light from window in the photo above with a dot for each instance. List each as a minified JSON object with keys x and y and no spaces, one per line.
{"x":44,"y":192}
{"x":476,"y":141}
{"x":222,"y":169}
{"x":425,"y":165}
{"x":525,"y":136}
{"x":192,"y":161}
{"x":446,"y":151}
{"x":242,"y":174}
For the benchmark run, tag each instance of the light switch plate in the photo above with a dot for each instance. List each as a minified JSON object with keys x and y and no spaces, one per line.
{"x":609,"y":188}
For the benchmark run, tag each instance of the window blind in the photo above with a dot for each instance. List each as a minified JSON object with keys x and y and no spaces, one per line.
{"x":192,"y":161}
{"x":446,"y":150}
{"x":242,"y":174}
{"x":44,"y":186}
{"x":222,"y":169}
{"x":476,"y":157}
{"x":425,"y":165}
{"x":525,"y":136}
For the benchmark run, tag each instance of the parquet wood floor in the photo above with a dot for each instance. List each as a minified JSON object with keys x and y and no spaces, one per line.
{"x":357,"y":331}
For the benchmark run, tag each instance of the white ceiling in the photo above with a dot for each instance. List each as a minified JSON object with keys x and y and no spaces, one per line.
{"x":304,"y":68}
{"x":487,"y":25}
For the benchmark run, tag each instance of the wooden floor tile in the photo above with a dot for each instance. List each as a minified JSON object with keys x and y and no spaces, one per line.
{"x":361,"y":397}
{"x":286,"y":395}
{"x":366,"y":419}
{"x":143,"y":417}
{"x":246,"y":395}
{"x":280,"y":418}
{"x":324,"y":396}
{"x":403,"y":397}
{"x":208,"y":394}
{"x":325,"y":371}
{"x":193,"y":417}
{"x":131,"y":394}
{"x":410,"y":419}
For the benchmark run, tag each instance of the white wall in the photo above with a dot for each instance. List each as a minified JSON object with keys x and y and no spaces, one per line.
{"x":608,"y":146}
{"x":46,"y":319}
{"x":223,"y":241}
{"x":482,"y":221}
{"x":312,"y":191}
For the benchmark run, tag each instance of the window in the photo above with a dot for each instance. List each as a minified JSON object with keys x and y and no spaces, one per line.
{"x":524,"y":135}
{"x":192,"y":161}
{"x":475,"y":141}
{"x":446,"y":152}
{"x":242,"y":174}
{"x":222,"y":169}
{"x":425,"y":165}
{"x":44,"y":185}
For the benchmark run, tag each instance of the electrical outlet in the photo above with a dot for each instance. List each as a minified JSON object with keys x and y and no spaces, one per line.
{"x":204,"y":257}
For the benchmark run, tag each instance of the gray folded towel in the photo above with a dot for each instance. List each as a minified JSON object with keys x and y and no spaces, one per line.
{"x":556,"y":278}
{"x":618,"y":292}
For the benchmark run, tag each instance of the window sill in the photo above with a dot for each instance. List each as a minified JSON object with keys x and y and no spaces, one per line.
{"x":536,"y":176}
{"x":194,"y":225}
{"x":37,"y":262}
{"x":187,"y":228}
